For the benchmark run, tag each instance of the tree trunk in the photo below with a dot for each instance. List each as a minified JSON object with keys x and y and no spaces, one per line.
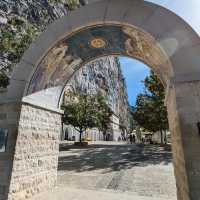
{"x":99,"y":135}
{"x":161,"y":136}
{"x":104,"y":135}
{"x":80,"y":136}
{"x":62,"y":131}
{"x":165,"y":137}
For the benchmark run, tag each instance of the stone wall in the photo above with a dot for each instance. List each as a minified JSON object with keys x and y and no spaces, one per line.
{"x":36,"y":154}
{"x":177,"y":147}
{"x":184,"y":115}
{"x":188,"y":106}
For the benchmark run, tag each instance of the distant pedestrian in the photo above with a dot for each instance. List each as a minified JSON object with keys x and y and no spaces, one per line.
{"x":131,"y":138}
{"x":119,"y":139}
{"x":143,"y":140}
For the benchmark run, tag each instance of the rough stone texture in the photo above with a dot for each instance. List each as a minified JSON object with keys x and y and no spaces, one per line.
{"x":36,"y":153}
{"x":184,"y":109}
{"x":188,"y":106}
{"x":178,"y":161}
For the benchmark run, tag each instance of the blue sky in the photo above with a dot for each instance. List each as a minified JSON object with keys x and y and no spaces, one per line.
{"x":134,"y":71}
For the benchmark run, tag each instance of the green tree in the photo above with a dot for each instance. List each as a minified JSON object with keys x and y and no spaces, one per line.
{"x":79,"y":113}
{"x":19,"y":31}
{"x":15,"y":37}
{"x":4,"y":80}
{"x":104,"y":114}
{"x":133,"y":123}
{"x":85,"y":111}
{"x":73,"y":4}
{"x":149,"y":111}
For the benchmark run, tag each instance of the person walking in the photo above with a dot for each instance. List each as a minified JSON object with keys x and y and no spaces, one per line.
{"x":131,"y":138}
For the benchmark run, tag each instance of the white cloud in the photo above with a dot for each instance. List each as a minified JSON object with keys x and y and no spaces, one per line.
{"x":188,"y":10}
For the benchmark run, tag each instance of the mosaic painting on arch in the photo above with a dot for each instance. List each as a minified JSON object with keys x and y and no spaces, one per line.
{"x":90,"y":43}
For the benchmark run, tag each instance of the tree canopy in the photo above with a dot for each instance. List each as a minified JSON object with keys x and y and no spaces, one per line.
{"x":104,"y":114}
{"x":4,"y":80}
{"x":85,"y":111}
{"x":149,"y":111}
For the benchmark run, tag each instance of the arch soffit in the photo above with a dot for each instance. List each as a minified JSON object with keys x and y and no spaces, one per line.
{"x":172,"y":34}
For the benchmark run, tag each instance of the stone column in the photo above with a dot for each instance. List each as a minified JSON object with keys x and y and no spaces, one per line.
{"x":36,"y":152}
{"x":183,"y":105}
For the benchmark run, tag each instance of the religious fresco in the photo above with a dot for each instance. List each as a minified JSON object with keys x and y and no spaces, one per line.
{"x":53,"y":68}
{"x":143,"y":46}
{"x":90,"y":43}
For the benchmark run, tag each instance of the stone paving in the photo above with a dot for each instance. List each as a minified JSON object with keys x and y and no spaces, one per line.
{"x":115,"y":171}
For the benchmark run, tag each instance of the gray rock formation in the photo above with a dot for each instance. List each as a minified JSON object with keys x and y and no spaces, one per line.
{"x":104,"y":76}
{"x":39,"y":12}
{"x":21,"y":21}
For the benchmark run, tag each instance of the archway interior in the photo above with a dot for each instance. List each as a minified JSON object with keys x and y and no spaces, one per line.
{"x":87,"y":44}
{"x":38,"y":76}
{"x":102,"y":159}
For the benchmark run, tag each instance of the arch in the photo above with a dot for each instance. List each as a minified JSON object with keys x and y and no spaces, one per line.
{"x":168,"y":30}
{"x":145,"y":31}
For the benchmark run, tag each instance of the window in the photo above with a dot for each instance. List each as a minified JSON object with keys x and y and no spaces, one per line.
{"x":3,"y":139}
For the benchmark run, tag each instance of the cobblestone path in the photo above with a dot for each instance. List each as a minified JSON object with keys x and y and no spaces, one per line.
{"x":114,"y":171}
{"x":142,"y":170}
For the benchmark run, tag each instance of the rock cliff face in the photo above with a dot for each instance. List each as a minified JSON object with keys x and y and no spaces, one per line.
{"x":21,"y":21}
{"x":104,"y":76}
{"x":38,"y":12}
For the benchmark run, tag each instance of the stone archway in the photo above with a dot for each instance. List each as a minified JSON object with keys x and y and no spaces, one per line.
{"x":30,"y":111}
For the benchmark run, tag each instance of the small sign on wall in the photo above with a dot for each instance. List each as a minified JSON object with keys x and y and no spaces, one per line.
{"x":3,"y":139}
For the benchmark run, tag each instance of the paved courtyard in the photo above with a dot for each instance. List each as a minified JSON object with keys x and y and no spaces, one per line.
{"x":114,"y":171}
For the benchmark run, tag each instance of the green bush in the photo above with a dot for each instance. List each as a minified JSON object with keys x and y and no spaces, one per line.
{"x":4,"y":80}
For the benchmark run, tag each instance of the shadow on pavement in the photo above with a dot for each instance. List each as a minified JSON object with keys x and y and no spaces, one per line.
{"x":113,"y":157}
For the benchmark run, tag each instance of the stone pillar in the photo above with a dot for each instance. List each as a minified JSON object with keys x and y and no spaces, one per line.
{"x":183,"y":105}
{"x":36,"y":152}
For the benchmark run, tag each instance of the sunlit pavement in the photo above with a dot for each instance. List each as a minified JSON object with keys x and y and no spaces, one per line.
{"x":64,"y":193}
{"x":114,"y":171}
